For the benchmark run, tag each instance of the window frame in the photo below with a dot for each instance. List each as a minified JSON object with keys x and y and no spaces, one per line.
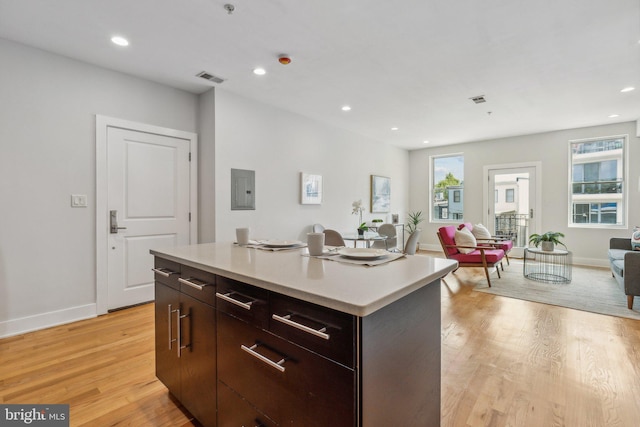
{"x":433,"y":218}
{"x":508,"y":191}
{"x":622,"y":202}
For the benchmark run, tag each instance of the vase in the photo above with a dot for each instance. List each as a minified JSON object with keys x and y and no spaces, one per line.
{"x":547,"y":246}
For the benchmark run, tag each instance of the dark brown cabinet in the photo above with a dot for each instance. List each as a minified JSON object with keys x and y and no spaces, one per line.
{"x":185,"y":338}
{"x":236,"y":355}
{"x":292,"y":360}
{"x":238,"y":412}
{"x":288,"y":383}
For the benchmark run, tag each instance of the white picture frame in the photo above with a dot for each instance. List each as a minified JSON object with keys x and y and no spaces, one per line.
{"x":310,"y":189}
{"x":380,"y":194}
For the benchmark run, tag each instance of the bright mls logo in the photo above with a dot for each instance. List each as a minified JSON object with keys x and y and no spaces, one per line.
{"x":34,"y":415}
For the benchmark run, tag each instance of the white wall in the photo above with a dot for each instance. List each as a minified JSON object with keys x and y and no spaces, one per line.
{"x":589,"y":246}
{"x":206,"y":167}
{"x":278,"y":145}
{"x":48,"y":105}
{"x":47,"y":141}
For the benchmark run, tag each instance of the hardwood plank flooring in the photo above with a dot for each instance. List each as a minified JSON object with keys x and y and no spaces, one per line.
{"x":505,"y":362}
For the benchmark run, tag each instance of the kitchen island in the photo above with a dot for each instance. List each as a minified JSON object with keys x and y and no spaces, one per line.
{"x":278,"y":338}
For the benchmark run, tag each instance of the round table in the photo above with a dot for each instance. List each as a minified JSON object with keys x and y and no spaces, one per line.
{"x":547,"y":266}
{"x":367,"y":238}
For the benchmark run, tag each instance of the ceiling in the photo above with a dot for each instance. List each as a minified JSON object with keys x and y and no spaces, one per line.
{"x":541,"y":65}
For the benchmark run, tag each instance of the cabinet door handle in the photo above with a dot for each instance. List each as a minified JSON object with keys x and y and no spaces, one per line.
{"x":171,"y":340}
{"x":287,"y":321}
{"x":251,"y":351}
{"x":199,"y":286}
{"x":164,"y":271}
{"x":178,"y":340}
{"x":227,"y":297}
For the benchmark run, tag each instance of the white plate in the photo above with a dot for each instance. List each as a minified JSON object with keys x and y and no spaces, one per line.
{"x":282,"y":243}
{"x":363,"y":253}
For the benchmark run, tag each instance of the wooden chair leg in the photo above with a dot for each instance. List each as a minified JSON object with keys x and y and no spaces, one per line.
{"x":507,"y":257}
{"x":498,"y":271}
{"x":486,"y":273}
{"x":629,"y":302}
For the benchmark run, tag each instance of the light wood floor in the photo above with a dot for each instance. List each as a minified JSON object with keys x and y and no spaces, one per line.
{"x":505,"y":362}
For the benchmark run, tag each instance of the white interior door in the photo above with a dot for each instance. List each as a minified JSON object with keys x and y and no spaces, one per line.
{"x":512,"y":201}
{"x":148,"y":205}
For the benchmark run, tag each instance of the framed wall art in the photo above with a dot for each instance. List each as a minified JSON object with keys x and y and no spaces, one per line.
{"x":380,"y":194}
{"x":310,"y":189}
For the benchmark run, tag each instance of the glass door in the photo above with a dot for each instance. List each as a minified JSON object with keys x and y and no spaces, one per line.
{"x":512,"y":205}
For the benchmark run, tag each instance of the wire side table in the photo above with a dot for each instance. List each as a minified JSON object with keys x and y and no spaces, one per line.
{"x":547,"y":266}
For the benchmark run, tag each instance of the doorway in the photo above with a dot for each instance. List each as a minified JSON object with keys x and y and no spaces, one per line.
{"x":145,"y":199}
{"x":513,"y":197}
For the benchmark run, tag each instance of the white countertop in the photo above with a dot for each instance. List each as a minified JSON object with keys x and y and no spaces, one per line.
{"x":353,"y":289}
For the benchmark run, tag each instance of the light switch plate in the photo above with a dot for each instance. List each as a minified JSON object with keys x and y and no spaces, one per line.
{"x":78,"y":200}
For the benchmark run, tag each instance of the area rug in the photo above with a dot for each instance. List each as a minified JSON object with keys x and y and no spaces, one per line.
{"x":591,"y":289}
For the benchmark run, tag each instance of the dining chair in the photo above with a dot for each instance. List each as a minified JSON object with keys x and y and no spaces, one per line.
{"x":318,"y":228}
{"x":412,"y":243}
{"x":333,"y":238}
{"x":391,"y":241}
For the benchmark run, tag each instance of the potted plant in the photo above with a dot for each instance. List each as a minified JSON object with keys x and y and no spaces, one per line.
{"x":548,"y":240}
{"x":413,"y":219}
{"x":363,"y":227}
{"x":377,"y":222}
{"x":357,"y":210}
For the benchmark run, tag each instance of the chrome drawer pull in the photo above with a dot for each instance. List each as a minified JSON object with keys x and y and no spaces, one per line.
{"x":227,"y":298}
{"x":287,"y":321}
{"x":164,"y":272}
{"x":192,"y":284}
{"x":251,"y":351}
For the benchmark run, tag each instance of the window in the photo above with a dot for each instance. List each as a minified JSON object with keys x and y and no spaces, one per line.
{"x":447,"y":189}
{"x":597,"y":185}
{"x":509,"y":195}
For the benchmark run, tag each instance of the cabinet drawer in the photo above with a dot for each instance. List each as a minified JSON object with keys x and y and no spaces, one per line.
{"x":167,"y":272}
{"x":320,"y":329}
{"x":243,"y":301}
{"x":199,"y":284}
{"x":289,"y":384}
{"x":234,"y":411}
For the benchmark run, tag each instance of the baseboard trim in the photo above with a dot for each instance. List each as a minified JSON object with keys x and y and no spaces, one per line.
{"x":586,"y":262}
{"x":46,"y":320}
{"x":428,"y":247}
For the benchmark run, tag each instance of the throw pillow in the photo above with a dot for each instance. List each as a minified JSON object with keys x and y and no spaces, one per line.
{"x":465,"y":238}
{"x":480,"y":232}
{"x":635,"y":239}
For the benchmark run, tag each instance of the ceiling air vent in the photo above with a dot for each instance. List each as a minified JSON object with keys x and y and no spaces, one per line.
{"x":478,"y":99}
{"x":210,"y":77}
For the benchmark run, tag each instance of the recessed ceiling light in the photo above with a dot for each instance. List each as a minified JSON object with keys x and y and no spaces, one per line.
{"x":120,"y":41}
{"x":346,"y":108}
{"x":394,"y":128}
{"x":259,"y":71}
{"x":612,"y":116}
{"x":628,"y":89}
{"x":425,"y":142}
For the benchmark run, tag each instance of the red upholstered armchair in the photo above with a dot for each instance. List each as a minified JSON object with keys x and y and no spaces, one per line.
{"x":480,"y":256}
{"x":497,"y":242}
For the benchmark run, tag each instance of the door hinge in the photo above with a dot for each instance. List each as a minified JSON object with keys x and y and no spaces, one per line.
{"x":189,"y":156}
{"x":189,"y":216}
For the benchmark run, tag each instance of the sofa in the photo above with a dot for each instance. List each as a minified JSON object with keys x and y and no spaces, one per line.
{"x":625,"y":267}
